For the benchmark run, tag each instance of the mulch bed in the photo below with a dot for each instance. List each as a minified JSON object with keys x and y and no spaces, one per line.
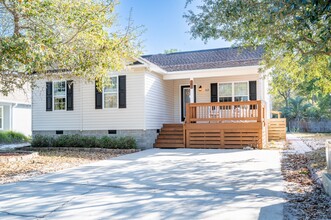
{"x":304,"y":192}
{"x":48,"y":161}
{"x":16,"y":156}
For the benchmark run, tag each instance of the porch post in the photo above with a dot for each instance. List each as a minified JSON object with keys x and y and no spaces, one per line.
{"x":191,"y":90}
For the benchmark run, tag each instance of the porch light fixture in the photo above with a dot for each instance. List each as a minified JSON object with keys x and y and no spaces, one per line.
{"x":200,"y":88}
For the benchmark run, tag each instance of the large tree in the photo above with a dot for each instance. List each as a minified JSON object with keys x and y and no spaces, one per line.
{"x":299,"y":30}
{"x":40,"y":37}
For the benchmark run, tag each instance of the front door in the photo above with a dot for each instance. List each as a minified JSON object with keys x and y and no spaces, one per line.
{"x":185,"y":98}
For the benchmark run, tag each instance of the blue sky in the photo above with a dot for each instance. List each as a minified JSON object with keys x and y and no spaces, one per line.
{"x":165,"y":27}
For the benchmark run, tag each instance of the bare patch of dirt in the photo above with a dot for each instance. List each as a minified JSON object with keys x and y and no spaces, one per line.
{"x":51,"y":161}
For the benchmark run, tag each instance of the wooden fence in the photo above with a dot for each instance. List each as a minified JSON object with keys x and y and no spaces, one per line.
{"x":276,"y":129}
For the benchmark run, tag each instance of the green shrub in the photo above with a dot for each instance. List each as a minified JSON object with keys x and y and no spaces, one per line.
{"x":80,"y":141}
{"x":12,"y":137}
{"x":42,"y":141}
{"x":126,"y":142}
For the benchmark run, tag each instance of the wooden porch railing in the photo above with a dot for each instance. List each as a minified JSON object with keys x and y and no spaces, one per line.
{"x":231,"y":112}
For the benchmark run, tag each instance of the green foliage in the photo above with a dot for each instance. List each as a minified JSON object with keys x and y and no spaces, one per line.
{"x":80,"y":141}
{"x":79,"y":37}
{"x":294,"y":33}
{"x":300,"y":109}
{"x":172,"y":50}
{"x":297,"y":109}
{"x":12,"y":137}
{"x":42,"y":141}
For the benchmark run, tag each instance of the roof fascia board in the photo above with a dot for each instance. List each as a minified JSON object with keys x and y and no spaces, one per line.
{"x":152,"y":66}
{"x":231,"y":71}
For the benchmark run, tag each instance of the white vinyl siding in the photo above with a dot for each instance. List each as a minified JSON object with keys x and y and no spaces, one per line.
{"x":21,"y":121}
{"x":159,"y":103}
{"x":54,"y":120}
{"x":151,"y":101}
{"x":131,"y":117}
{"x":16,"y":111}
{"x":85,"y":116}
{"x":18,"y":96}
{"x":1,"y":117}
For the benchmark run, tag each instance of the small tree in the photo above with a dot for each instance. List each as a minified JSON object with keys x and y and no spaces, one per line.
{"x":38,"y":37}
{"x":295,"y":29}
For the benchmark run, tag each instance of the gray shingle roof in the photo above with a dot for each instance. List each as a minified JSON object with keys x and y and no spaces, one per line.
{"x":207,"y":59}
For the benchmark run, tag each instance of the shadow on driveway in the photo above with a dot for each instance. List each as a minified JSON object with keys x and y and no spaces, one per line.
{"x":156,"y":184}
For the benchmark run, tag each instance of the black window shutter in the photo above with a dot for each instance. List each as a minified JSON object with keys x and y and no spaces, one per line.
{"x":122,"y":91}
{"x":213,"y":92}
{"x":70,"y":95}
{"x":252,"y":90}
{"x":49,"y":96}
{"x":98,"y":98}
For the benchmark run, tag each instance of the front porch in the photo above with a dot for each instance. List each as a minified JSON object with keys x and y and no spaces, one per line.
{"x":218,"y":125}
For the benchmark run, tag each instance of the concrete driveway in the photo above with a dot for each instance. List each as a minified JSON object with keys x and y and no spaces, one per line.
{"x":155,"y":184}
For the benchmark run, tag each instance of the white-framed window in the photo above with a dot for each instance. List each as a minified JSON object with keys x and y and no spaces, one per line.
{"x":110,"y":94}
{"x":234,"y":91}
{"x":240,"y":91}
{"x":225,"y":92}
{"x":1,"y":117}
{"x":59,"y":95}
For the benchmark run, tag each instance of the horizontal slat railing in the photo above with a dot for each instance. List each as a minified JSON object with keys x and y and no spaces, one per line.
{"x":252,"y":111}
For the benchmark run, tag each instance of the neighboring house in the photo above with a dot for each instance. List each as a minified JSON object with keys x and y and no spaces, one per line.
{"x":15,"y":111}
{"x":154,"y":91}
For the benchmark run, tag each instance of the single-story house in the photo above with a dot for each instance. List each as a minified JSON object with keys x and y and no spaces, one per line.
{"x":208,"y":98}
{"x":15,"y":111}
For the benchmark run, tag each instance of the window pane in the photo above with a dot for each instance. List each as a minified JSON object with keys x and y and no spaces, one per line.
{"x":225,"y":99}
{"x":240,"y":98}
{"x":110,"y":100}
{"x":59,"y":88}
{"x":225,"y":90}
{"x":241,"y":89}
{"x":59,"y":103}
{"x":113,"y":85}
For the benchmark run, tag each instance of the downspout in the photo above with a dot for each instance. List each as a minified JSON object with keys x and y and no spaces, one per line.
{"x":81,"y":106}
{"x":14,"y":105}
{"x":144,"y":106}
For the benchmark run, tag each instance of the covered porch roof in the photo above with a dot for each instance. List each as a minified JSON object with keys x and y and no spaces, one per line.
{"x":204,"y":63}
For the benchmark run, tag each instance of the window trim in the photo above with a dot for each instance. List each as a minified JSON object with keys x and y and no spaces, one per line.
{"x":65,"y":95}
{"x":117,"y":92}
{"x":233,"y":95}
{"x":218,"y":91}
{"x":2,"y":118}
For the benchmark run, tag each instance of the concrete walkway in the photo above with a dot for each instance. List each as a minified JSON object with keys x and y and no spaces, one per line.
{"x":6,"y":147}
{"x":297,"y":146}
{"x":155,"y":184}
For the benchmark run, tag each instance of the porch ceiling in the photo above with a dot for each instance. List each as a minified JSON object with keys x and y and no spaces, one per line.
{"x":231,"y":71}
